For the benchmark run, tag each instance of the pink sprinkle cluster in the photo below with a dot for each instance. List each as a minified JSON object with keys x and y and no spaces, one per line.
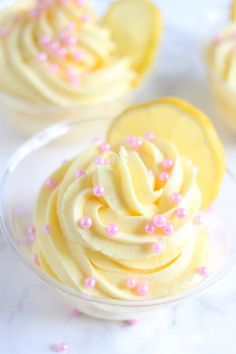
{"x":141,"y":289}
{"x":134,"y":142}
{"x":159,"y":223}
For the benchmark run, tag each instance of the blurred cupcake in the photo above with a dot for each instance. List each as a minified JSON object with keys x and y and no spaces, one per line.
{"x":220,"y":57}
{"x":60,"y":61}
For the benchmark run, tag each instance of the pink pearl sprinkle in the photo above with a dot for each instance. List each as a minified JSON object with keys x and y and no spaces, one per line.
{"x":31,"y":231}
{"x":46,"y":229}
{"x":42,"y":57}
{"x":53,"y":68}
{"x":99,"y":160}
{"x":71,"y":26}
{"x":79,"y":173}
{"x":150,"y":173}
{"x":61,"y":52}
{"x":36,"y":259}
{"x":34,"y":12}
{"x":45,"y":39}
{"x":134,"y":142}
{"x":80,"y":2}
{"x":86,"y":222}
{"x":54,"y":46}
{"x":176,"y":198}
{"x":60,"y":347}
{"x":112,"y":229}
{"x":90,"y":282}
{"x":142,"y":289}
{"x":74,"y":80}
{"x":51,"y":183}
{"x":132,"y":322}
{"x":202,"y":271}
{"x":72,"y":72}
{"x":78,"y":55}
{"x":168,"y":229}
{"x":131,"y":283}
{"x":167,"y":164}
{"x":85,"y":18}
{"x":74,"y":311}
{"x":156,"y":247}
{"x":149,"y":136}
{"x":4,"y":32}
{"x":72,"y":39}
{"x":164,"y":176}
{"x":181,"y":213}
{"x":149,"y":228}
{"x":104,"y":147}
{"x":159,"y":221}
{"x":198,"y":219}
{"x":98,"y":191}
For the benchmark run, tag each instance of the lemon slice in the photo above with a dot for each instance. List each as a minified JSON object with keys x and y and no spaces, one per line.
{"x":233,"y":11}
{"x":187,"y":128}
{"x":136,"y":26}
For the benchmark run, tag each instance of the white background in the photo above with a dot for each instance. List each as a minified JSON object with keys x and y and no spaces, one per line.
{"x":32,"y":318}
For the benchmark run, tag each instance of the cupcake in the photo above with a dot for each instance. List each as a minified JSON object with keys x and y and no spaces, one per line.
{"x":122,"y":219}
{"x":220,"y":56}
{"x":60,"y":60}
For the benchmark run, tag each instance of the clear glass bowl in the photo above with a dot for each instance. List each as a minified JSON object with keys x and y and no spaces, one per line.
{"x":224,"y":97}
{"x":29,"y":117}
{"x":28,"y":168}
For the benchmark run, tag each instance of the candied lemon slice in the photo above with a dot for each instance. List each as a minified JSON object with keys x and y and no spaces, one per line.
{"x":136,"y":26}
{"x":187,"y":128}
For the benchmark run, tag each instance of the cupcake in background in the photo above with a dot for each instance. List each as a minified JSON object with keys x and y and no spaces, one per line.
{"x":220,"y":57}
{"x":60,"y":61}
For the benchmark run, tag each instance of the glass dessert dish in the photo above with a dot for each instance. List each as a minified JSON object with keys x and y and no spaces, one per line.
{"x":63,"y":68}
{"x":224,"y":95}
{"x":20,"y":183}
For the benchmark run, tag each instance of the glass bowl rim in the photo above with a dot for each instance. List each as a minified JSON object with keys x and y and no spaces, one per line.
{"x":33,"y":144}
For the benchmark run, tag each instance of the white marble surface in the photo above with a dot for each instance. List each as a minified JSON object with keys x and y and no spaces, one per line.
{"x":32,"y":317}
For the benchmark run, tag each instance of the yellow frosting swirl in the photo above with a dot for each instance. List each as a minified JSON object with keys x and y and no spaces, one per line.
{"x":57,"y":52}
{"x":133,"y":196}
{"x":221,"y":56}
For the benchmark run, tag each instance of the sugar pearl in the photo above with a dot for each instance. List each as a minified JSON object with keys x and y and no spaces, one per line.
{"x":149,"y":228}
{"x":79,"y":173}
{"x":90,"y":282}
{"x":142,"y":289}
{"x":45,"y":39}
{"x":42,"y":57}
{"x":112,"y":229}
{"x":104,"y":147}
{"x":131,"y":283}
{"x":46,"y":229}
{"x":149,"y":136}
{"x":164,"y":176}
{"x":99,"y":160}
{"x":181,"y":213}
{"x":198,"y":219}
{"x":167,"y":164}
{"x":202,"y":271}
{"x":159,"y":221}
{"x":176,"y":198}
{"x":86,"y":222}
{"x":51,"y":183}
{"x":98,"y":191}
{"x":60,"y":347}
{"x":36,"y":259}
{"x":168,"y":229}
{"x":156,"y":247}
{"x":31,"y":231}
